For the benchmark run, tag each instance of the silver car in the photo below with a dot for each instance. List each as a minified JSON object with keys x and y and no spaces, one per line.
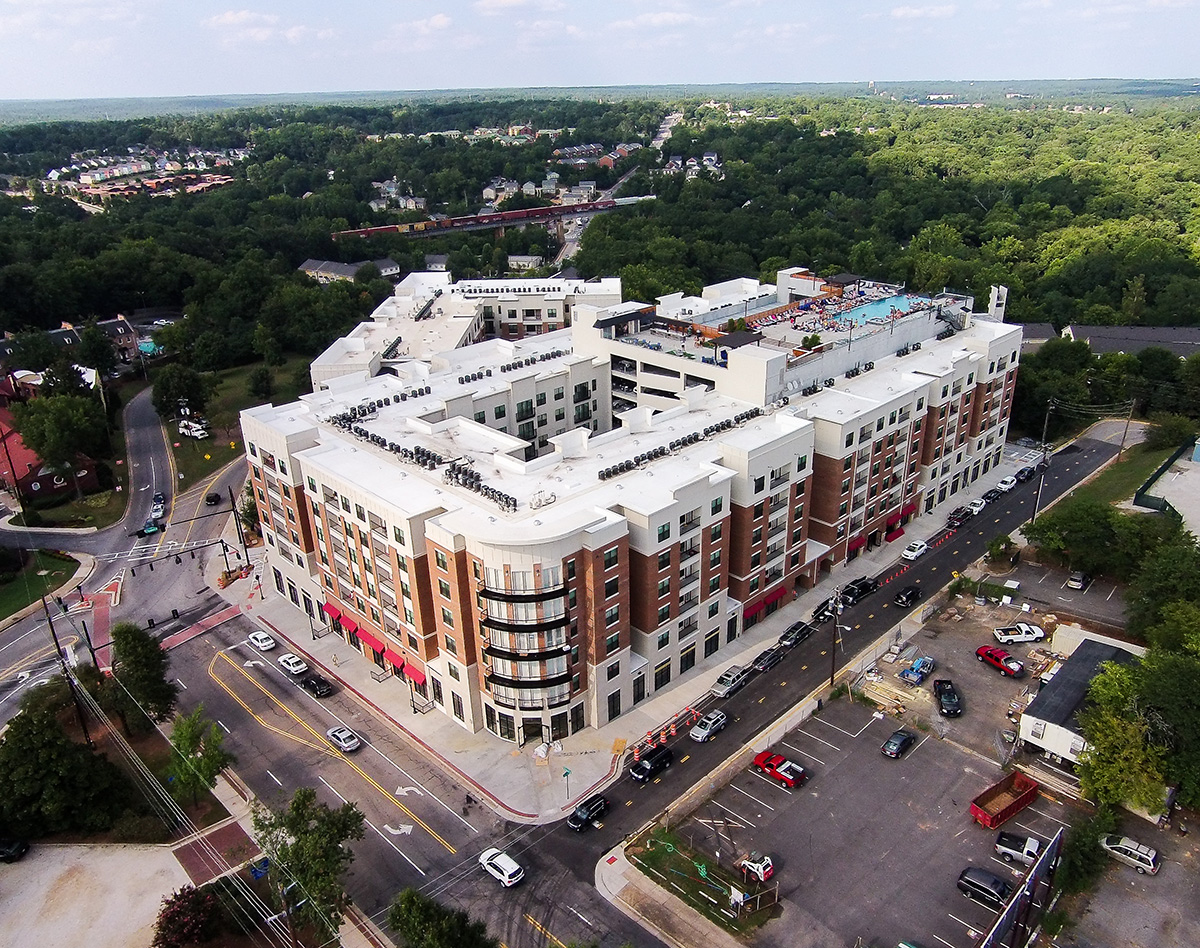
{"x":343,"y":739}
{"x":708,"y":726}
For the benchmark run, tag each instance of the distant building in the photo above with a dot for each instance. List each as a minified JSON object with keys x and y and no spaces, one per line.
{"x":23,"y":472}
{"x":329,"y":271}
{"x":1181,"y":340}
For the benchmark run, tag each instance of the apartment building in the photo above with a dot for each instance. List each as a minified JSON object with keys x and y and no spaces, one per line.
{"x":533,"y":535}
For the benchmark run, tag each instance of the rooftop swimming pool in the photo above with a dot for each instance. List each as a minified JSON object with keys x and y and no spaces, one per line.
{"x":881,"y":309}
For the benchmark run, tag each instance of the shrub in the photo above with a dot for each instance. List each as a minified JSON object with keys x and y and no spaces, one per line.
{"x":1082,"y":858}
{"x":187,"y":917}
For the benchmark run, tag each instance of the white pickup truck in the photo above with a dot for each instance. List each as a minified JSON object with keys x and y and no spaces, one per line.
{"x":1019,"y":632}
{"x":1012,"y":847}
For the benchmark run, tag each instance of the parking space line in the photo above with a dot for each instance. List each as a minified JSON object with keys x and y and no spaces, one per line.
{"x":944,"y":942}
{"x":1049,"y":817}
{"x":771,"y":782}
{"x":735,"y":813}
{"x":918,"y":747}
{"x":843,"y":730}
{"x":815,"y":738}
{"x":753,"y":797}
{"x":961,"y":922}
{"x":805,"y":753}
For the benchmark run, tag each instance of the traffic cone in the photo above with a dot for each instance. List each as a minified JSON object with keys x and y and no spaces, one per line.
{"x":637,"y":752}
{"x":672,"y":727}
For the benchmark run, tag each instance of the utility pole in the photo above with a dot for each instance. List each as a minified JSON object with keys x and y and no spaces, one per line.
{"x":67,"y":675}
{"x":835,"y":603}
{"x":1037,"y":500}
{"x":237,"y":522}
{"x":1125,"y":433}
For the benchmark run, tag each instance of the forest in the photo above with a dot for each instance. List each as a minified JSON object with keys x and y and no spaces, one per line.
{"x":1088,"y":216}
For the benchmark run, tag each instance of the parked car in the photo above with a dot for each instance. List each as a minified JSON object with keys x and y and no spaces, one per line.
{"x":261,"y":640}
{"x":948,"y":702}
{"x":768,"y":658}
{"x":343,"y":738}
{"x":12,"y":849}
{"x":316,"y":686}
{"x":1006,"y":484}
{"x":159,"y":498}
{"x":1013,"y":847}
{"x":292,"y":663}
{"x":796,"y":633}
{"x":501,"y":867}
{"x":915,"y":550}
{"x":1000,"y":660}
{"x":731,"y":680}
{"x":898,"y":743}
{"x":976,"y":506}
{"x":653,"y":762}
{"x":992,"y":495}
{"x":1131,"y":852}
{"x":824,"y":612}
{"x":212,"y":499}
{"x":907,"y":596}
{"x":1026,"y":473}
{"x":983,"y":886}
{"x":1019,"y":632}
{"x":708,"y":726}
{"x":959,"y":516}
{"x":787,"y":772}
{"x":858,"y":589}
{"x":1078,"y":581}
{"x":588,"y":812}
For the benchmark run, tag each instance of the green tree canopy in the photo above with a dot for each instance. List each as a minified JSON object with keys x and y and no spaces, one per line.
{"x":175,"y":383}
{"x":424,"y":923}
{"x":198,"y":755}
{"x":62,"y":427}
{"x":141,"y":666}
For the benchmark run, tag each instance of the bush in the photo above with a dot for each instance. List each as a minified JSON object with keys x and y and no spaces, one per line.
{"x":139,"y":828}
{"x":1169,"y":431}
{"x":189,"y":916}
{"x":1082,"y":858}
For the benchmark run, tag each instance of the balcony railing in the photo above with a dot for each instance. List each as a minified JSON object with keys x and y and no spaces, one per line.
{"x":686,"y":553}
{"x":688,"y":524}
{"x":779,"y":480}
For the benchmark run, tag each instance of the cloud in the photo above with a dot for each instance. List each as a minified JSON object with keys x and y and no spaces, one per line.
{"x":663,"y":18}
{"x":47,"y":19}
{"x":923,"y":13}
{"x":431,"y":24}
{"x":497,"y":7}
{"x":246,"y":26}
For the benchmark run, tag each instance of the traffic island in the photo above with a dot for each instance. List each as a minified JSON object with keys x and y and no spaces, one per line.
{"x":735,"y":900}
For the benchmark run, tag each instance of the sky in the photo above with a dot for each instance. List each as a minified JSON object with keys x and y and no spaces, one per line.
{"x":53,"y":49}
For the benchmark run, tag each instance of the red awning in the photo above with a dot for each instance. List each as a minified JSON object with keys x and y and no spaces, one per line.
{"x":908,"y":509}
{"x":414,"y":674}
{"x":894,"y":535}
{"x":894,"y":519}
{"x":348,"y":624}
{"x":856,"y":543}
{"x":755,"y":609}
{"x":775,"y":595}
{"x":365,"y":636}
{"x":396,"y":660}
{"x":331,"y":610}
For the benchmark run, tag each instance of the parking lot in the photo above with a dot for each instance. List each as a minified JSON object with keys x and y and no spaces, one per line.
{"x":868,"y":846}
{"x":1045,"y":588}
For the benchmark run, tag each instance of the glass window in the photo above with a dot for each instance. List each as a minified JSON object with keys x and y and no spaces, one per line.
{"x":664,"y":613}
{"x":612,"y":615}
{"x":664,"y":532}
{"x":610,"y":558}
{"x":664,"y":559}
{"x":451,"y":645}
{"x":612,"y":587}
{"x":447,"y":617}
{"x":444,"y":588}
{"x":440,"y":558}
{"x":613,"y":670}
{"x":717,"y":504}
{"x":715,"y":532}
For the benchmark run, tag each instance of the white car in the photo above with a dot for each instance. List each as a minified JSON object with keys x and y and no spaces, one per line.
{"x":708,"y":726}
{"x":1007,"y":484}
{"x":343,"y":739}
{"x":976,"y":506}
{"x":914,"y":550}
{"x":158,"y":511}
{"x":501,"y":866}
{"x":292,"y":663}
{"x":261,"y":641}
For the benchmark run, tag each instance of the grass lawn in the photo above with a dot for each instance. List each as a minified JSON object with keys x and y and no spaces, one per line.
{"x":43,"y":574}
{"x":666,"y":859}
{"x":199,"y":460}
{"x":1121,"y":480}
{"x":101,"y":509}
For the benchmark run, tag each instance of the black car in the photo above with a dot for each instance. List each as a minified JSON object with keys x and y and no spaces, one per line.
{"x":12,"y":849}
{"x":588,"y":812}
{"x":768,"y":658}
{"x":859,"y":589}
{"x":898,"y":743}
{"x":824,"y":612}
{"x":316,"y":686}
{"x":959,"y":516}
{"x":949,"y":703}
{"x":992,"y":495}
{"x":796,"y":633}
{"x":907,"y":596}
{"x":211,"y":500}
{"x":159,"y":498}
{"x":1026,"y":473}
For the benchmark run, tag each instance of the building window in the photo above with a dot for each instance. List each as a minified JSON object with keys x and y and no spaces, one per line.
{"x":453,"y":669}
{"x":612,"y":615}
{"x":758,"y":510}
{"x":714,"y":558}
{"x":850,"y":440}
{"x":451,"y":645}
{"x":715,"y":533}
{"x":687,"y":659}
{"x":398,"y":535}
{"x":437,"y":691}
{"x":612,"y":587}
{"x":664,"y":587}
{"x":612,"y":643}
{"x":614,"y":705}
{"x":457,"y":703}
{"x":447,"y":618}
{"x":664,"y":559}
{"x":481,"y":417}
{"x":754,"y":585}
{"x":444,"y":588}
{"x":662,"y":674}
{"x":570,"y":569}
{"x":712,"y":642}
{"x":610,"y":557}
{"x":714,"y":583}
{"x":664,"y":613}
{"x":802,"y":462}
{"x":440,"y":559}
{"x":759,"y":483}
{"x":717,"y":504}
{"x":664,"y":532}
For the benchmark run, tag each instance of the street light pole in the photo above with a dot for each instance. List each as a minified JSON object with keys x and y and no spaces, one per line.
{"x":835,"y":603}
{"x":1037,"y":500}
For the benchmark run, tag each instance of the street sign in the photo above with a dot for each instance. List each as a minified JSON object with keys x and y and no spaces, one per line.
{"x":566,"y":771}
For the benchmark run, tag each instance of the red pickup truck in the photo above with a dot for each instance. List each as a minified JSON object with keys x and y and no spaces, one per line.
{"x":788,"y":773}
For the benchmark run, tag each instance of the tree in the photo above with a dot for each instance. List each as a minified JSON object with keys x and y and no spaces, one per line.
{"x":60,"y":428}
{"x":140,"y":665}
{"x":1168,"y":573}
{"x":50,"y":784}
{"x":260,"y":383}
{"x":308,"y":858}
{"x":33,"y":350}
{"x":424,"y":923}
{"x":1169,"y":431}
{"x":1121,"y":764}
{"x":62,"y":377}
{"x":198,"y":754}
{"x":189,"y":916}
{"x":177,"y":383}
{"x":96,"y":351}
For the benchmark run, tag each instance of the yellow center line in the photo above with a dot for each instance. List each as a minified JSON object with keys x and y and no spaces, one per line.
{"x":34,"y":657}
{"x":324,"y":746}
{"x":545,"y":931}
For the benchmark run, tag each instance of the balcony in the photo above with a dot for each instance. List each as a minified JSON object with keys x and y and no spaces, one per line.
{"x":778,"y":503}
{"x":904,"y":416}
{"x":688,"y":627}
{"x":689,"y":602}
{"x":688,"y":524}
{"x":686,"y":579}
{"x":536,"y":625}
{"x":688,"y":552}
{"x":516,"y":655}
{"x":779,"y":480}
{"x":549,"y":681}
{"x":540,"y":594}
{"x":774,"y":551}
{"x":860,"y":481}
{"x":776,"y":527}
{"x":773,"y":575}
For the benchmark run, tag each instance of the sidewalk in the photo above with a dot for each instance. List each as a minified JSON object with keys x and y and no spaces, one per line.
{"x":527,"y":784}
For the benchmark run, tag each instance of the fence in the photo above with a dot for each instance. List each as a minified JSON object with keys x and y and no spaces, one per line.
{"x":1143,"y":498}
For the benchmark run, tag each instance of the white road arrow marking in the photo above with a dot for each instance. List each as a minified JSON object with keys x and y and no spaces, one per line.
{"x":405,"y":791}
{"x":250,"y":664}
{"x":404,"y":829}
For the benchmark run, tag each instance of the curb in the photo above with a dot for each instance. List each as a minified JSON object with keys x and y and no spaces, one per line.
{"x":498,"y":804}
{"x":87,"y":566}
